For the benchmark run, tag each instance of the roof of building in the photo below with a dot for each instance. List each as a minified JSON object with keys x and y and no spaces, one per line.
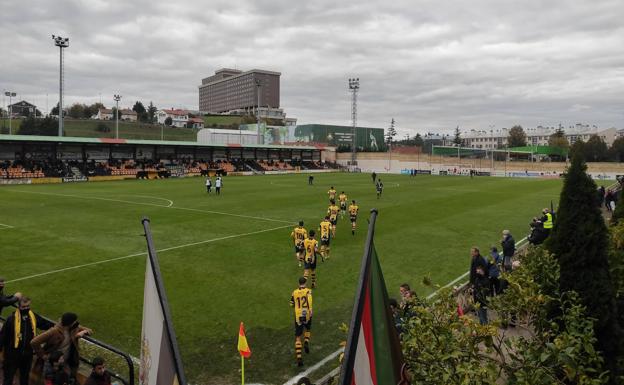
{"x":177,"y":112}
{"x":22,"y":103}
{"x":196,"y":120}
{"x":81,"y":140}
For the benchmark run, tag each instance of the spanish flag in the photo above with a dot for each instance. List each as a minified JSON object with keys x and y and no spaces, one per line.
{"x":243,"y":348}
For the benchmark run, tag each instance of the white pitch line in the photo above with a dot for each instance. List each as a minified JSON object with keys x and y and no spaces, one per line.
{"x":143,"y":253}
{"x":151,"y":204}
{"x":152,"y":197}
{"x":316,"y":366}
{"x":5,"y":227}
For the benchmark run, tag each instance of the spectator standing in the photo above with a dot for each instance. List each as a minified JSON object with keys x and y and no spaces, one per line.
{"x":17,"y":333}
{"x":208,"y":185}
{"x":311,"y":180}
{"x":7,"y":300}
{"x":495,"y":264}
{"x":99,"y":375}
{"x":547,"y":220}
{"x":509,"y":248}
{"x":218,"y":185}
{"x":480,"y":293}
{"x":63,"y":336}
{"x":374,"y":176}
{"x":601,"y":196}
{"x":537,"y":235}
{"x":476,"y":261}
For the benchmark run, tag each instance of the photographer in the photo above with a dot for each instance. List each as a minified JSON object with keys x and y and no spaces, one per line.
{"x":64,"y":337}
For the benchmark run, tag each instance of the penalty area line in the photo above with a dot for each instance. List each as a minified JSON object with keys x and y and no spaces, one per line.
{"x":335,"y":354}
{"x":142,"y":253}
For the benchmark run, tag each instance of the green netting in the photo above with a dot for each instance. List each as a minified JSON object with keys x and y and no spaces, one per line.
{"x":542,"y":150}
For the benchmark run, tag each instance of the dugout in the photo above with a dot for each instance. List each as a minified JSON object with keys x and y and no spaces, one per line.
{"x":27,"y":147}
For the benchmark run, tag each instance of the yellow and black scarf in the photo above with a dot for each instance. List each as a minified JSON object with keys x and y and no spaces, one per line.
{"x":18,"y":325}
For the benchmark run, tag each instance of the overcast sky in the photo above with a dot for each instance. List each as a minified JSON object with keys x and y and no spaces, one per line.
{"x":431,"y":65}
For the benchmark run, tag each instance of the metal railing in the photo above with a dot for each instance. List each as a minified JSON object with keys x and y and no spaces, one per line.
{"x":129,"y":380}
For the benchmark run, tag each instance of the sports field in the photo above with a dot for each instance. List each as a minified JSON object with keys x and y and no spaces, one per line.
{"x":229,"y":258}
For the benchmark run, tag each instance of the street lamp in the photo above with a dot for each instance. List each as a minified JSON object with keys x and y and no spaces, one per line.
{"x":354,"y":86}
{"x":117,"y":98}
{"x":11,"y":95}
{"x":61,"y":43}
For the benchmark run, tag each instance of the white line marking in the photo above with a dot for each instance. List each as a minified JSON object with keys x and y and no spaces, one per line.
{"x":315,"y":367}
{"x":151,"y":204}
{"x":4,"y":227}
{"x":143,"y":253}
{"x":152,"y":197}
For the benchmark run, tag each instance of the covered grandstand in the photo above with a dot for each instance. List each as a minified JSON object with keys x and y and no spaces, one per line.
{"x":48,"y":159}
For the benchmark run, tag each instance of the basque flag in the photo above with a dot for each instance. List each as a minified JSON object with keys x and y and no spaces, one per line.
{"x":373,"y":354}
{"x":160,"y":358}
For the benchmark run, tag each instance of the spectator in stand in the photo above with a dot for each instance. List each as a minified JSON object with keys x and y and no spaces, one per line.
{"x":537,"y":235}
{"x":63,"y":336}
{"x":547,"y":221}
{"x":54,"y":370}
{"x":99,"y":375}
{"x":609,"y":200}
{"x":396,"y":315}
{"x":7,"y":300}
{"x":476,"y":261}
{"x":480,"y":293}
{"x":509,"y":248}
{"x":600,"y":196}
{"x":15,"y":337}
{"x":495,"y":262}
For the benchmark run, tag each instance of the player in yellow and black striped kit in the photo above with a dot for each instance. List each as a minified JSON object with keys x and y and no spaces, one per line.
{"x":342,"y":198}
{"x":332,"y":211}
{"x":301,"y":300}
{"x":353,"y":212}
{"x":311,"y":250}
{"x":299,"y":235}
{"x":325,"y":232}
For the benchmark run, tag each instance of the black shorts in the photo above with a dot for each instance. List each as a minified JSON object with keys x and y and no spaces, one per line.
{"x":324,"y":241}
{"x":353,"y":218}
{"x":309,"y":266}
{"x":343,"y":206}
{"x":333,"y":221}
{"x":299,"y":248}
{"x":299,"y":327}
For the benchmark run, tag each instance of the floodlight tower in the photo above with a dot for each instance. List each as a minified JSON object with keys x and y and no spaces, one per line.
{"x":354,"y":86}
{"x":117,"y":98}
{"x":258,"y":85}
{"x":61,"y":42}
{"x":11,"y":95}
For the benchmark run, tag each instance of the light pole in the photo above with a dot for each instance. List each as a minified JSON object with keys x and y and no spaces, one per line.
{"x":258,"y":85}
{"x":11,"y":95}
{"x":354,"y":86}
{"x":116,"y":98}
{"x":61,"y":43}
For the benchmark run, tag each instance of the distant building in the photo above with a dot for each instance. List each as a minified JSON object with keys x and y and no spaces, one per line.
{"x":492,"y":139}
{"x":125,"y":114}
{"x":195,"y":123}
{"x":179,"y":118}
{"x":22,"y":108}
{"x":230,"y":90}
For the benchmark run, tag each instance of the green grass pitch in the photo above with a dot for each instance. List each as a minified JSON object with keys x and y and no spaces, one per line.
{"x":220,"y":269}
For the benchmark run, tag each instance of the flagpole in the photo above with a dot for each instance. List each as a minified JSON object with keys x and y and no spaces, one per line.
{"x":242,"y":370}
{"x":356,"y":317}
{"x":160,"y":287}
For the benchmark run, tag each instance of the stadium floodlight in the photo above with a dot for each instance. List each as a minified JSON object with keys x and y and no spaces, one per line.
{"x":61,"y":42}
{"x":258,"y":85}
{"x":11,"y":95}
{"x":117,"y":98}
{"x":354,"y":86}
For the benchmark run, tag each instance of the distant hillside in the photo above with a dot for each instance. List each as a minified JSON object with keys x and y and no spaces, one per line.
{"x":106,"y":129}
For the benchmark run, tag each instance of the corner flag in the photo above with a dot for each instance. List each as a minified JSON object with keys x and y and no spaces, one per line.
{"x":160,"y":358}
{"x":243,"y":347}
{"x":372,"y":355}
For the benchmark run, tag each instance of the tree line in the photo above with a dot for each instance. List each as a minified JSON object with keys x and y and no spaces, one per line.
{"x":88,"y":111}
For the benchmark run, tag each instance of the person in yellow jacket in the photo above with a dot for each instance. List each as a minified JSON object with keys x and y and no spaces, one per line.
{"x":547,"y":220}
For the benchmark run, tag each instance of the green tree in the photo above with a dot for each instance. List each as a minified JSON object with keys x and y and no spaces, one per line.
{"x":391,"y":133}
{"x":418,"y":141}
{"x":151,"y":112}
{"x":142,"y":115}
{"x":47,"y":126}
{"x":616,"y":151}
{"x":578,"y":148}
{"x":457,"y":139}
{"x":55,"y":110}
{"x":579,"y":242}
{"x":595,"y":149}
{"x":76,"y":111}
{"x":558,"y":139}
{"x":517,"y":137}
{"x":168,"y":121}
